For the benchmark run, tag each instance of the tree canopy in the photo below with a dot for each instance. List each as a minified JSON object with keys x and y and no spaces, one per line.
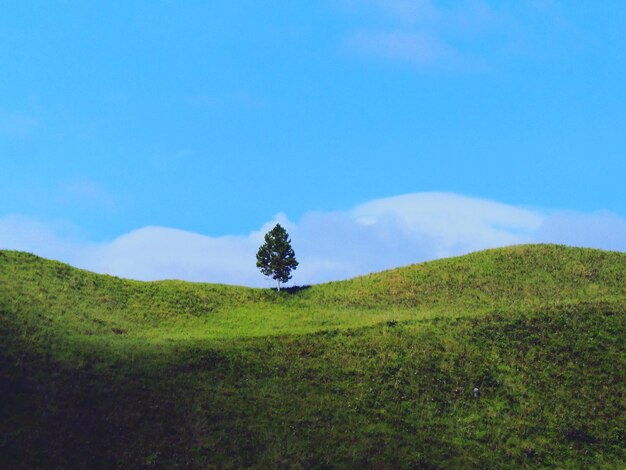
{"x":275,"y":257}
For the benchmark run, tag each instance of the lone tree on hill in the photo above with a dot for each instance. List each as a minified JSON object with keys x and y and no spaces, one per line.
{"x":275,"y":257}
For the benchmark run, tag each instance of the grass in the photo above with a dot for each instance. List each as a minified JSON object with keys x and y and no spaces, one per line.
{"x":375,"y":372}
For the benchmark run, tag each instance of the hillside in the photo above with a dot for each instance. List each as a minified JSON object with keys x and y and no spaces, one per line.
{"x":377,"y":371}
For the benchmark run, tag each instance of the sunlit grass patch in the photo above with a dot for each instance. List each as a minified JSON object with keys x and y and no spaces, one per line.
{"x":378,"y":371}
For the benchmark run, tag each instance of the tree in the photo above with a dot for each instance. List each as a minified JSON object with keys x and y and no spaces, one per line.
{"x":275,"y":257}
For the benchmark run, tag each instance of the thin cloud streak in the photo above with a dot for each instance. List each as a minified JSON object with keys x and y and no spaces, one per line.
{"x":18,"y":125}
{"x":377,"y":235}
{"x":420,"y":49}
{"x":466,"y":35}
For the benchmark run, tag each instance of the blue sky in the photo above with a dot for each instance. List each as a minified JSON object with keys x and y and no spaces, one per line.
{"x":143,"y":123}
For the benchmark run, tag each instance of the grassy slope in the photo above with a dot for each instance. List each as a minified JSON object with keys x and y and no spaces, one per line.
{"x":377,"y":370}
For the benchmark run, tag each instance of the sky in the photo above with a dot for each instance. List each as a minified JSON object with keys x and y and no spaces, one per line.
{"x":161,"y":139}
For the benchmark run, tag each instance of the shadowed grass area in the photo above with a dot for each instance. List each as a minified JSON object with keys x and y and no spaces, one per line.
{"x":375,"y":372}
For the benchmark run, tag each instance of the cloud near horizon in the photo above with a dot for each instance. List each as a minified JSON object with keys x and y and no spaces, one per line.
{"x":380,"y":234}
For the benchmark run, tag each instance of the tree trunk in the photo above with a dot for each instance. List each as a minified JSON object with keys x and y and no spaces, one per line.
{"x":278,"y":282}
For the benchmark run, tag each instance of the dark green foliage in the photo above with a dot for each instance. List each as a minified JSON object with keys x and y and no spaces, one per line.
{"x":275,"y":257}
{"x":99,"y":372}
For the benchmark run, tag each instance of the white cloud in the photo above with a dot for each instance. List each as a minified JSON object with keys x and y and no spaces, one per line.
{"x":601,"y":229}
{"x":17,"y":125}
{"x":458,"y":34}
{"x":237,"y":98}
{"x":50,"y":239}
{"x":407,"y":11}
{"x":379,"y":234}
{"x":423,"y":32}
{"x":417,"y":48}
{"x":153,"y":253}
{"x":456,"y":223}
{"x":86,"y":192}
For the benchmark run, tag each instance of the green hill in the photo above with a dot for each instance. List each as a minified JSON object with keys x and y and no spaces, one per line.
{"x":377,"y":371}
